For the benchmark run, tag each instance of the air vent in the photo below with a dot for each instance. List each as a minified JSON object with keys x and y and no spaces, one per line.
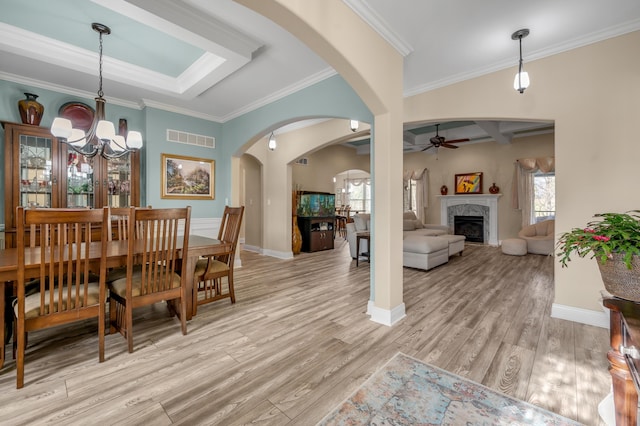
{"x":302,"y":161}
{"x":191,"y":138}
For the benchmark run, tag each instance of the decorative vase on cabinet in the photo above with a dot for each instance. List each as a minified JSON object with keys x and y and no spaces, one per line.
{"x":30,"y":110}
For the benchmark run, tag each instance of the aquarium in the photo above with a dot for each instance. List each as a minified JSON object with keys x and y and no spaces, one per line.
{"x":316,"y":205}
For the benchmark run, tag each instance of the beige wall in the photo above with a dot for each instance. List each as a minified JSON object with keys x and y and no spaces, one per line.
{"x":593,"y":95}
{"x":494,"y":160}
{"x":251,"y":198}
{"x":324,"y":165}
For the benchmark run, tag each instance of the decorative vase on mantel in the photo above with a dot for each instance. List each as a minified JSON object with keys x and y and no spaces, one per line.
{"x":494,"y":189}
{"x":619,"y":280}
{"x":444,"y":190}
{"x":30,"y":110}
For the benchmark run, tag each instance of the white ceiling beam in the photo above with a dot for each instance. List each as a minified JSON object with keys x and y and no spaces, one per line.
{"x":493,"y":129}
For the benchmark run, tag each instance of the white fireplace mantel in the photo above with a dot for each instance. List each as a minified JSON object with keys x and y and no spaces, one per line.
{"x":489,"y":200}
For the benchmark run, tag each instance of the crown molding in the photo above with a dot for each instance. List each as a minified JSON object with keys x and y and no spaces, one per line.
{"x":375,"y":21}
{"x":304,"y":83}
{"x":178,"y":110}
{"x":66,"y":90}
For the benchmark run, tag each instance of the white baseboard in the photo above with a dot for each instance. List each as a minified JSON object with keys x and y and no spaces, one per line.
{"x":253,"y":249}
{"x":583,"y":316}
{"x":370,"y":306}
{"x":278,"y":254}
{"x":385,"y":316}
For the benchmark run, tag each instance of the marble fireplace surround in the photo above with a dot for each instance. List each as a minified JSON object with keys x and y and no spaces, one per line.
{"x":485,"y":205}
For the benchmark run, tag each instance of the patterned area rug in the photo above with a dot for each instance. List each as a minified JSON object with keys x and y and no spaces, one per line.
{"x":409,"y":392}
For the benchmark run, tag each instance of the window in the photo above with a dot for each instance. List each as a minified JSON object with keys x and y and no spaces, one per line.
{"x":410,"y":202}
{"x":359,"y":191}
{"x":544,"y":196}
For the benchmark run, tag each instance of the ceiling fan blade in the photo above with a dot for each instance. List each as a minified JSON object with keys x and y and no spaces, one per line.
{"x":458,"y":140}
{"x":429,"y":147}
{"x":446,"y":145}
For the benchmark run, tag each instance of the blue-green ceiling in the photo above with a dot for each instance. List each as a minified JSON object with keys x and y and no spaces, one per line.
{"x":151,"y":49}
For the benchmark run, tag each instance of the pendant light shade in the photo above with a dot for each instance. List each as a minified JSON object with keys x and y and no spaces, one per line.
{"x":521,"y":81}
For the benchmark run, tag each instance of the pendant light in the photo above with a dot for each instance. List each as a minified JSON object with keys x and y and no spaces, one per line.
{"x":353,"y":125}
{"x":521,"y":81}
{"x":272,"y":142}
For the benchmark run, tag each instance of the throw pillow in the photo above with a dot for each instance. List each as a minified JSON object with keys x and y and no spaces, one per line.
{"x":408,"y":225}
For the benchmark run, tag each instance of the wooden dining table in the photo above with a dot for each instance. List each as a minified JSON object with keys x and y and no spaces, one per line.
{"x":116,"y":256}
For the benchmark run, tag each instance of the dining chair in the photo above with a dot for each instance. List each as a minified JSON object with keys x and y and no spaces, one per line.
{"x":155,"y":249}
{"x":70,"y":287}
{"x":119,"y":219}
{"x":210,"y":270}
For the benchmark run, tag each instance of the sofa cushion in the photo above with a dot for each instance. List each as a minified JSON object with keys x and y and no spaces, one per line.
{"x":425,"y":231}
{"x":419,"y":224}
{"x":360,"y":221}
{"x":408,"y":225}
{"x":424,"y":244}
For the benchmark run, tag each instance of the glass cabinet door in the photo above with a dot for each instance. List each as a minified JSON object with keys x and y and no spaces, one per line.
{"x":80,"y":172}
{"x":36,"y":165}
{"x":118,"y":181}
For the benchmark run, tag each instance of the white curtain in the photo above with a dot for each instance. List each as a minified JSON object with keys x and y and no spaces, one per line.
{"x":422,"y":189}
{"x":522,"y":196}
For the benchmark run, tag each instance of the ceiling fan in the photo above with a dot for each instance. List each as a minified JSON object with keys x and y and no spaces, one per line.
{"x":437,"y":141}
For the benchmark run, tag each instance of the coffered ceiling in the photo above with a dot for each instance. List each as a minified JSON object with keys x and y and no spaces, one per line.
{"x":216,"y":59}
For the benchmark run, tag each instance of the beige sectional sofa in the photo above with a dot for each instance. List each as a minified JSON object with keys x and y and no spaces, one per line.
{"x":425,"y":246}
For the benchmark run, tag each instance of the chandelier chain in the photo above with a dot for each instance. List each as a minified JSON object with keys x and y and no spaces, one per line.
{"x":100,"y":92}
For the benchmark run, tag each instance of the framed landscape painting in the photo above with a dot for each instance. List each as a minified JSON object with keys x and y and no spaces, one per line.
{"x":187,"y":178}
{"x":469,"y":183}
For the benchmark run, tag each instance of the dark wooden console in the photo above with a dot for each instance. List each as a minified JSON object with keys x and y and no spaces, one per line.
{"x":624,"y":358}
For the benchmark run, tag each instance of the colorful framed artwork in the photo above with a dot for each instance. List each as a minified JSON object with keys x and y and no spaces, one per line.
{"x":187,"y":178}
{"x":469,"y":183}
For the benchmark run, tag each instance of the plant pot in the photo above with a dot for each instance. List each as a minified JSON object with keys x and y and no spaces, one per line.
{"x":619,"y":280}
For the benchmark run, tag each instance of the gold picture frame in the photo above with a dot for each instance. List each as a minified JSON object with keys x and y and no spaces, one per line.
{"x":187,"y":178}
{"x":469,"y":183}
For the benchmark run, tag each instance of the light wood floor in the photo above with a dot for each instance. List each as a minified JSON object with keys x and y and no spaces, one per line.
{"x":298,"y":342}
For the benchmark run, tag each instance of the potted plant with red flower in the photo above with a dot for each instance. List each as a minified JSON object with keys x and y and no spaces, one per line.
{"x":614,"y":240}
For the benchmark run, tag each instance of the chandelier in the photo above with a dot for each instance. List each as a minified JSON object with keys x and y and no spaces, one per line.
{"x":100,"y":138}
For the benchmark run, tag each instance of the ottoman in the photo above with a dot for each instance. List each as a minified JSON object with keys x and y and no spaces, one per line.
{"x":424,"y":252}
{"x":456,"y":243}
{"x":514,"y":247}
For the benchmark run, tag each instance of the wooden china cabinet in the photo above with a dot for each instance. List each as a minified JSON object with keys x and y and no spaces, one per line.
{"x":40,"y":171}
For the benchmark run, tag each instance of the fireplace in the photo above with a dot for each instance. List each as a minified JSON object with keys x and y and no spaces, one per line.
{"x":484,"y":205}
{"x":472,"y":227}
